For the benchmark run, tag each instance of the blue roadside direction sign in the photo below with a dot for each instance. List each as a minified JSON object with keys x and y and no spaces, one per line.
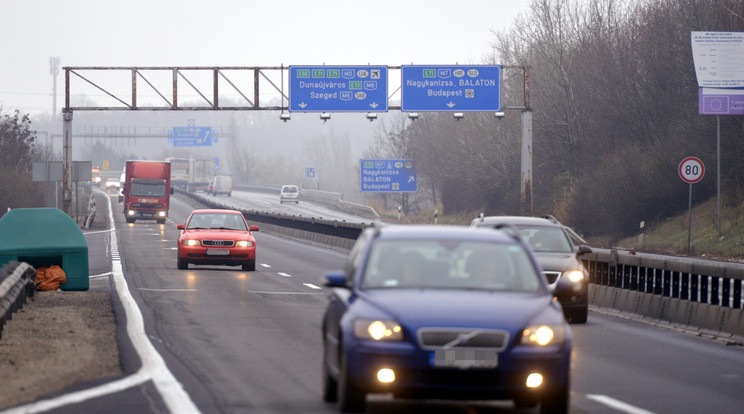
{"x":389,"y":176}
{"x":192,"y":136}
{"x":450,"y":88}
{"x":338,"y":88}
{"x":310,"y":172}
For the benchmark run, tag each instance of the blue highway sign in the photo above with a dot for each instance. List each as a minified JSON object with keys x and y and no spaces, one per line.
{"x":450,"y":88}
{"x":338,"y":88}
{"x":192,"y":136}
{"x":391,"y":176}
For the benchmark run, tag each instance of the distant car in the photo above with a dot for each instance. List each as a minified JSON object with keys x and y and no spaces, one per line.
{"x":444,"y":312}
{"x":557,"y":249}
{"x":221,"y":184}
{"x":217,"y":237}
{"x":122,"y":178}
{"x":112,"y":183}
{"x":289,"y":193}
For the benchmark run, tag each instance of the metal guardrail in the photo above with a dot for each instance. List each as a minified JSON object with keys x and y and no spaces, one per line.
{"x":698,"y":294}
{"x":16,"y":284}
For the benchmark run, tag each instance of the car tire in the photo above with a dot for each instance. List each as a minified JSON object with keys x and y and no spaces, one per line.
{"x":351,"y":399}
{"x":580,"y":315}
{"x":161,"y":221}
{"x":130,"y":220}
{"x":330,"y":386}
{"x":556,"y":401}
{"x":249,"y":266}
{"x":182,"y":264}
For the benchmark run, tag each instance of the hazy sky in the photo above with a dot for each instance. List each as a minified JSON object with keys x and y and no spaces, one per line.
{"x":234,"y":33}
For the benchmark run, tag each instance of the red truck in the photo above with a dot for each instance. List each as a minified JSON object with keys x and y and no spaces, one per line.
{"x":147,"y":190}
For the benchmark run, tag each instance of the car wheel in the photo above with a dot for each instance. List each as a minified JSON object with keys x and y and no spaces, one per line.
{"x":181,"y":263}
{"x":161,"y":221}
{"x":330,"y":386}
{"x":130,"y":220}
{"x":580,"y":315}
{"x":249,"y":265}
{"x":556,"y":401}
{"x":351,"y":399}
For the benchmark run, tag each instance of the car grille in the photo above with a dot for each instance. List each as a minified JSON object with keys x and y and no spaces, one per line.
{"x":438,"y":338}
{"x":150,"y":206}
{"x":551,"y":276}
{"x":218,"y":243}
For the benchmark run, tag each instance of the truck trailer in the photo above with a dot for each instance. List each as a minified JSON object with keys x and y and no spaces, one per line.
{"x":201,"y":173}
{"x":147,"y":190}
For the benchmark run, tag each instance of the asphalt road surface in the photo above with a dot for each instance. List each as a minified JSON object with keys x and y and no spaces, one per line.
{"x":223,"y":340}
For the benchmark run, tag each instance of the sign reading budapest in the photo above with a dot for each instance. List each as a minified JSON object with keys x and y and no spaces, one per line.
{"x":391,"y":176}
{"x":450,"y":88}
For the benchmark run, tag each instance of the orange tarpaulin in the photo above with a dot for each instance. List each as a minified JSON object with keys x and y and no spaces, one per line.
{"x":49,"y":278}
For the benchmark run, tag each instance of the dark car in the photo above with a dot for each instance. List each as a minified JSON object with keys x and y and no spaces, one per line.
{"x":444,"y":312}
{"x":557,"y":249}
{"x":217,"y":237}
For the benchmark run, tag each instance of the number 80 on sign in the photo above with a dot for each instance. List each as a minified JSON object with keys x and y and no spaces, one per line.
{"x":691,"y":170}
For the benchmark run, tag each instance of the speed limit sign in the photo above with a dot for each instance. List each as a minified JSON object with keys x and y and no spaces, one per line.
{"x":691,"y":170}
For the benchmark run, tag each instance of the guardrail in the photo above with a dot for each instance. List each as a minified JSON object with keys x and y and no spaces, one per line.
{"x":695,"y":294}
{"x":698,"y":294}
{"x":16,"y":284}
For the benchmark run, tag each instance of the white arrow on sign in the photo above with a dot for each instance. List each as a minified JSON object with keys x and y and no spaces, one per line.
{"x":373,"y":105}
{"x":451,"y":104}
{"x":303,"y":104}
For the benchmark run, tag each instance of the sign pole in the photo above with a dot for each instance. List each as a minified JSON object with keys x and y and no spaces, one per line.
{"x":689,"y":220}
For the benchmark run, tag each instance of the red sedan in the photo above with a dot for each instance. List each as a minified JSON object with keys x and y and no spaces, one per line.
{"x":217,"y":237}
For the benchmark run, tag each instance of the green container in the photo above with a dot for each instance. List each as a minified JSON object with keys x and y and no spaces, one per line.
{"x":43,"y":237}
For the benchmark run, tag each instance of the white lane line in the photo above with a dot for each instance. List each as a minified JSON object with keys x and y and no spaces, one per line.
{"x":311,"y":286}
{"x":283,"y":293}
{"x":264,"y":265}
{"x":100,"y":275}
{"x":98,"y":231}
{"x":168,"y":290}
{"x":153,"y":366}
{"x":284,"y":274}
{"x":617,"y":404}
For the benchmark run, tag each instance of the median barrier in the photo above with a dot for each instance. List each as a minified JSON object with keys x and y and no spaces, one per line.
{"x":44,"y":237}
{"x":16,"y":285}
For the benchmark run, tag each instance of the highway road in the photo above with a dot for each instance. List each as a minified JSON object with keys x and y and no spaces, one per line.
{"x":249,"y":342}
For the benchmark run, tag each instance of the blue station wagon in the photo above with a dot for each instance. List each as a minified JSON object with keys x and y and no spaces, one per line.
{"x":443,"y":312}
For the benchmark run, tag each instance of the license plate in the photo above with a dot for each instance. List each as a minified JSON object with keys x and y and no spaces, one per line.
{"x":465,"y":358}
{"x":218,"y":252}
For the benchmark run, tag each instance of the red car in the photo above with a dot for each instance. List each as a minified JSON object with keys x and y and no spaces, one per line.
{"x":217,"y":237}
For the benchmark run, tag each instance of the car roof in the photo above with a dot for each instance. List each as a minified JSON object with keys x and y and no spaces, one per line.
{"x":438,"y":232}
{"x":215,"y":210}
{"x":514,"y":220}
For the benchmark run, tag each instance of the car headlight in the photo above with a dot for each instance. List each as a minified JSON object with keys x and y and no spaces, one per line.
{"x":542,"y":335}
{"x":378,"y":330}
{"x":244,"y":243}
{"x":575,"y":276}
{"x":191,"y":242}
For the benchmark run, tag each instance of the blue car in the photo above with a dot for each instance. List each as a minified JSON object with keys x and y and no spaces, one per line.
{"x":444,"y":312}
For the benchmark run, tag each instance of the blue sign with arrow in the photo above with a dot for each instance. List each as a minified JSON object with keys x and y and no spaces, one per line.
{"x":338,"y":88}
{"x":450,"y":88}
{"x":192,"y":136}
{"x":391,"y":176}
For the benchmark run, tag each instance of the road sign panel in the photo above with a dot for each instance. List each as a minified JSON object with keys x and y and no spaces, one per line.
{"x":691,"y":170}
{"x":391,"y":176}
{"x":450,"y":88}
{"x":192,"y":136}
{"x":338,"y":88}
{"x":310,"y":172}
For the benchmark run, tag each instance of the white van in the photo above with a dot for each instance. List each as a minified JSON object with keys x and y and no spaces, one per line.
{"x":289,"y":193}
{"x":221,"y":184}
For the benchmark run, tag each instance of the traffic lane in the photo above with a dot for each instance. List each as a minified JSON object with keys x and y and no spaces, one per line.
{"x":236,"y":340}
{"x":654,"y":369}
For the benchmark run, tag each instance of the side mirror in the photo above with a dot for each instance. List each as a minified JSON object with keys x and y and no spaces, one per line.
{"x":254,"y":228}
{"x":172,"y":190}
{"x":180,"y":227}
{"x":335,"y":278}
{"x":584,"y":249}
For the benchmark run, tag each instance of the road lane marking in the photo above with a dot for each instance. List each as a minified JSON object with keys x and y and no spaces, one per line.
{"x":100,"y":275}
{"x":311,"y":286}
{"x":284,"y":274}
{"x":283,"y":293}
{"x":169,"y":290}
{"x":153,"y":366}
{"x":617,"y":404}
{"x":264,"y":265}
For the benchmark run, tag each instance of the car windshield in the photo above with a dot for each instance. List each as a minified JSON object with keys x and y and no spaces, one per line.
{"x":450,"y":265}
{"x":148,"y":189}
{"x":545,"y":239}
{"x":220,"y":221}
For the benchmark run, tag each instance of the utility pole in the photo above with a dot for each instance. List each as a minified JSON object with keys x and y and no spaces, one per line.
{"x":54,"y":71}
